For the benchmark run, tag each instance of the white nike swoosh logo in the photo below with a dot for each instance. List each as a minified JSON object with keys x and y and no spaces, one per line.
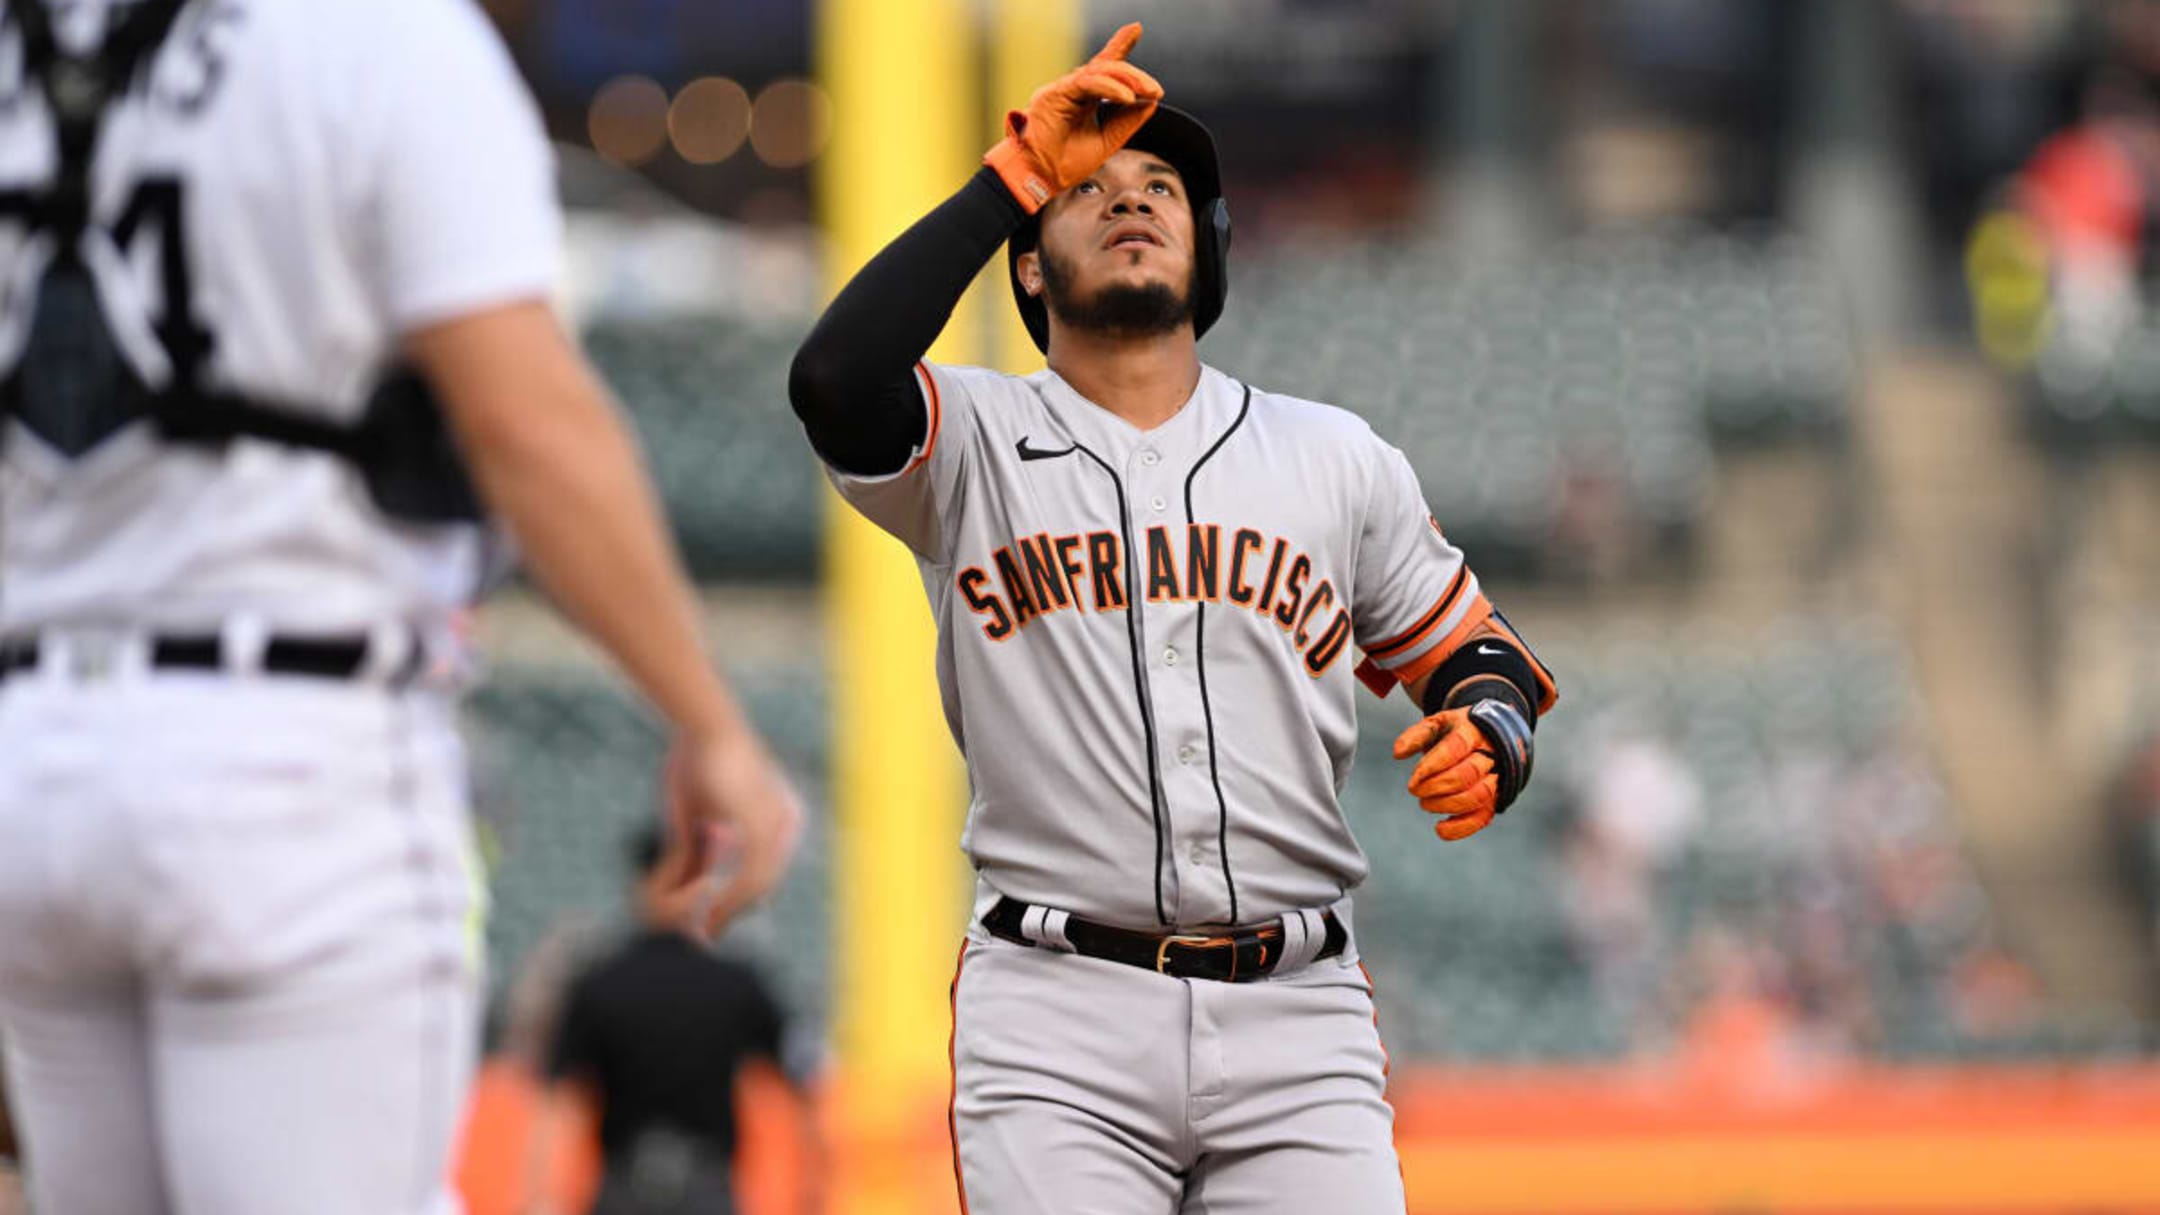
{"x":1486,"y":649}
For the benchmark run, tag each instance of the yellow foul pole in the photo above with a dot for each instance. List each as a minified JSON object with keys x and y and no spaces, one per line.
{"x":901,"y":75}
{"x":1031,"y":42}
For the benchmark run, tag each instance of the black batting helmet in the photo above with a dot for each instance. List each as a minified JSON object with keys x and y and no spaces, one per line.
{"x":1179,"y":139}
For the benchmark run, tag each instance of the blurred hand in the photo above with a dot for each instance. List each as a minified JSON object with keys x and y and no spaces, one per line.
{"x":1074,"y":123}
{"x":728,"y":803}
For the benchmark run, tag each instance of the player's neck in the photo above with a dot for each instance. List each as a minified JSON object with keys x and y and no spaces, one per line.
{"x":1145,"y":381}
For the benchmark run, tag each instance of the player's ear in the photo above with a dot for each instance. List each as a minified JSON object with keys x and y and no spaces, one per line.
{"x":1029,"y":266}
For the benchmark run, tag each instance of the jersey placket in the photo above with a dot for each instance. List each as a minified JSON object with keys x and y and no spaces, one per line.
{"x":1193,"y":885}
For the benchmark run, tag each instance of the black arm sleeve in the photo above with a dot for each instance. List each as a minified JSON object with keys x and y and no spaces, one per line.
{"x":853,"y":381}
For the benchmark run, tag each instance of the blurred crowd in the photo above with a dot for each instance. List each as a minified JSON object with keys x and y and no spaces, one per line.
{"x":1876,"y":882}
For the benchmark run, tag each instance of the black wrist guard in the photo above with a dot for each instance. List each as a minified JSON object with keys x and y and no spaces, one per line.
{"x":1496,"y":682}
{"x":1513,"y":746}
{"x":1481,"y":669}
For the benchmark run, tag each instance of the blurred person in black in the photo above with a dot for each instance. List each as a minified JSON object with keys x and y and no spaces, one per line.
{"x":653,"y":1040}
{"x":10,"y":1184}
{"x":2137,"y":829}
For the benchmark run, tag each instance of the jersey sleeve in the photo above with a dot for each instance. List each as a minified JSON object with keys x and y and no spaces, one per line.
{"x":1416,"y":598}
{"x":916,"y":505}
{"x":463,"y":205}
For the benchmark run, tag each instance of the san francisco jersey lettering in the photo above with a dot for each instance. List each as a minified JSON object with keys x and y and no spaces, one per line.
{"x":1151,"y":633}
{"x":1057,"y":577}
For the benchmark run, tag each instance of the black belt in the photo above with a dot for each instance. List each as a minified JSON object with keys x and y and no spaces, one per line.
{"x":1235,"y":955}
{"x":331,"y":658}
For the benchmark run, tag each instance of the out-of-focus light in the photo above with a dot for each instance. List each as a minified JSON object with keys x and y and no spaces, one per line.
{"x":628,"y":119}
{"x":709,"y":120}
{"x":2006,"y":269}
{"x":790,"y":124}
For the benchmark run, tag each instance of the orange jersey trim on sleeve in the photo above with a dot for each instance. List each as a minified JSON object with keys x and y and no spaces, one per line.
{"x":1428,"y":662}
{"x":1382,"y":651}
{"x":1381,"y":681}
{"x":936,"y":408}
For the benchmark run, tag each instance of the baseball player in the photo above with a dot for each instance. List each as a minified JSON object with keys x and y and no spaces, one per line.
{"x":259,"y":261}
{"x":1148,"y":579}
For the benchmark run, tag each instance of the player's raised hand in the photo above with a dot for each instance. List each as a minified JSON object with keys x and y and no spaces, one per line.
{"x":1074,"y":123}
{"x":730,"y":805}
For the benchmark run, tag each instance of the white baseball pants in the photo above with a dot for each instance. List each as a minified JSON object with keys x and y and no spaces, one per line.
{"x":237,"y":974}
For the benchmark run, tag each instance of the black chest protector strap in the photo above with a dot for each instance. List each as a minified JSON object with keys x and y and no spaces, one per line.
{"x":74,"y":388}
{"x":79,"y":89}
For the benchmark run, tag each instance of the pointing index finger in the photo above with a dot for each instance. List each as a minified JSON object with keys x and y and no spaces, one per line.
{"x":1121,"y":43}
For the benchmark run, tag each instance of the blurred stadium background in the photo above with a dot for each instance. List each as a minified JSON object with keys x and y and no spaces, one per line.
{"x":1787,"y":367}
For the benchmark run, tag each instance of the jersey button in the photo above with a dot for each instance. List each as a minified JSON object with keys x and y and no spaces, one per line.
{"x":1157,"y":502}
{"x":1198,"y":853}
{"x":1169,"y":656}
{"x":1187,"y":753}
{"x":1150,"y":457}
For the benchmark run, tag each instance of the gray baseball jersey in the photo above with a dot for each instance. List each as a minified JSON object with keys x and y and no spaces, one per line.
{"x":1145,"y":638}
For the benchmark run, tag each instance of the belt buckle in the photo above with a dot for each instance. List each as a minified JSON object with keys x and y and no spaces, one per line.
{"x":92,"y":655}
{"x":1162,"y":950}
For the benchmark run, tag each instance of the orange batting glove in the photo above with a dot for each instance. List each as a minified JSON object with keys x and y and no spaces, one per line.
{"x":1458,"y":778}
{"x":1074,"y":123}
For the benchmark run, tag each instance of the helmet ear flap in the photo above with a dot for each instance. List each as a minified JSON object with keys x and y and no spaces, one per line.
{"x":1211,"y":277}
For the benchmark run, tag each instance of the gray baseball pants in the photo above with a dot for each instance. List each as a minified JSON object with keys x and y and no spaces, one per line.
{"x":1086,"y":1087}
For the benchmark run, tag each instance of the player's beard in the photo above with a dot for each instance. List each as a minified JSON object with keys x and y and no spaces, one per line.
{"x":1119,"y":310}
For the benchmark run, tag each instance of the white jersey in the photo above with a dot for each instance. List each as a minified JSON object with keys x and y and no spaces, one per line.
{"x":1145,"y":638}
{"x":330,"y":175}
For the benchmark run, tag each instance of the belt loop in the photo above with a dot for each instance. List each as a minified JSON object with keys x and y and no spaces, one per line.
{"x":54,"y":653}
{"x":242,"y":641}
{"x":390,"y":650}
{"x":91,"y":655}
{"x":1304,"y":934}
{"x":1046,"y":926}
{"x":132,"y":655}
{"x":1293,"y":941}
{"x":1053,"y":928}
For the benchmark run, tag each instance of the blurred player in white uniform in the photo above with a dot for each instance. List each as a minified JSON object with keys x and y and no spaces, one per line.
{"x":237,"y":914}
